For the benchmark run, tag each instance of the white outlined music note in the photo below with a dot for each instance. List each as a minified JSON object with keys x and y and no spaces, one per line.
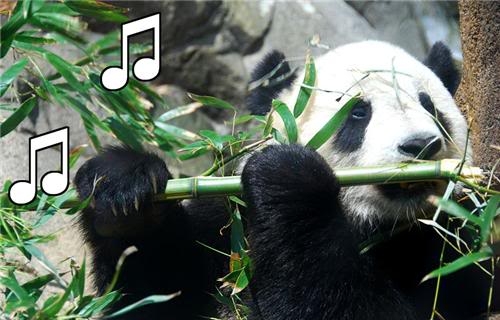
{"x":145,"y":68}
{"x":53,"y":182}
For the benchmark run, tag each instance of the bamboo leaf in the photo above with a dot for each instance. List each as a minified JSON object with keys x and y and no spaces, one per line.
{"x":9,"y":29}
{"x":98,"y":305}
{"x":85,"y":113}
{"x":98,"y":9}
{"x":288,"y":120}
{"x":17,"y":117}
{"x":212,"y":102}
{"x":333,"y":124}
{"x":62,"y":24}
{"x":459,"y":264}
{"x":488,"y":216}
{"x":34,"y":40}
{"x":13,"y":285}
{"x":90,"y":129}
{"x":176,"y":131}
{"x":305,"y":93}
{"x":123,"y":133}
{"x":38,"y":282}
{"x":453,"y":208}
{"x":67,"y":70}
{"x":10,"y":74}
{"x":241,"y":282}
{"x":179,"y":111}
{"x":216,"y":139}
{"x":143,"y":302}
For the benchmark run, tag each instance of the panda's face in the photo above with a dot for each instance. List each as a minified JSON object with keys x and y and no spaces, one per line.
{"x":406,"y":113}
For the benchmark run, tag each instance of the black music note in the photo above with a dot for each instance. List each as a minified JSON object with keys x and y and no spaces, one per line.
{"x":145,"y":69}
{"x":53,"y":182}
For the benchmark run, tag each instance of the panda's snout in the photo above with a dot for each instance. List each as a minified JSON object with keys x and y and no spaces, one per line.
{"x":421,"y":148}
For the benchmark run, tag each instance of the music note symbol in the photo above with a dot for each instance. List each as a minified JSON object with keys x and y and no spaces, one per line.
{"x":145,"y":69}
{"x":53,"y":182}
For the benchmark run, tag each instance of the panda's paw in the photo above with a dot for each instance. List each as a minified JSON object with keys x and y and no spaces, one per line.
{"x":288,"y":173}
{"x":122,"y":183}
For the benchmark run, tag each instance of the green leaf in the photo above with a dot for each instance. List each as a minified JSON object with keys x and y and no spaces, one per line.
{"x":99,"y":304}
{"x":143,"y":302}
{"x":179,"y":111}
{"x":242,"y":281}
{"x":244,"y":118}
{"x":237,"y":200}
{"x":98,"y":9}
{"x":10,"y":74}
{"x":94,"y":139}
{"x":124,"y":134}
{"x":453,"y":208}
{"x":215,"y":139}
{"x":35,"y":252}
{"x":38,"y":282}
{"x":459,"y":264}
{"x":17,"y":117}
{"x":488,"y":216}
{"x":288,"y":120}
{"x":194,"y":150}
{"x":333,"y":124}
{"x":237,"y":232}
{"x":67,"y":70}
{"x":212,"y":102}
{"x":66,"y":26}
{"x":9,"y":29}
{"x":39,"y":40}
{"x":13,"y":285}
{"x":176,"y":131}
{"x":268,"y":126}
{"x":305,"y":93}
{"x":84,"y":112}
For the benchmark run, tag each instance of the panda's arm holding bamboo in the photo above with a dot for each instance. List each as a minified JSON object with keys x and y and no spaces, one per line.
{"x":122,"y":214}
{"x":307,"y":263}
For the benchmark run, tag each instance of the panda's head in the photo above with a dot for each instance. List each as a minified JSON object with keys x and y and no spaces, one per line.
{"x":407,"y":112}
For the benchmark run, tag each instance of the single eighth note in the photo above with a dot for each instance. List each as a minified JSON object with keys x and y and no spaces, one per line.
{"x":145,"y":68}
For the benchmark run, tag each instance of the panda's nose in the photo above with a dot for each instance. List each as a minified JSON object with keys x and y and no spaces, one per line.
{"x":421,"y":148}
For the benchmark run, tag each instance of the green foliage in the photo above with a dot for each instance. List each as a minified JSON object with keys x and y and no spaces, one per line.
{"x":76,"y":84}
{"x":30,"y":37}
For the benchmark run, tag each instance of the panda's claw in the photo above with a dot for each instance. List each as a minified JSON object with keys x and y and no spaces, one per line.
{"x":123,"y":197}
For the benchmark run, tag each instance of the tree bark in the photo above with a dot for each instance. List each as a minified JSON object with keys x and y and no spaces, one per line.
{"x":479,"y":92}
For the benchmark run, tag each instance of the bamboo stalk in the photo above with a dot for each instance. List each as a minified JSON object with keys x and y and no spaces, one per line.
{"x":446,"y":169}
{"x":197,"y":187}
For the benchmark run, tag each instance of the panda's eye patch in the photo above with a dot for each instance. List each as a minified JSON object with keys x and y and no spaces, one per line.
{"x":426,"y":102}
{"x":360,"y":110}
{"x":443,"y":123}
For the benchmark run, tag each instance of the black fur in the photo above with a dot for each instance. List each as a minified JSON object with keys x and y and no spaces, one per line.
{"x":351,"y":135}
{"x":274,"y":82}
{"x":307,"y":264}
{"x":168,"y":258}
{"x":443,"y":123}
{"x":439,"y":60}
{"x":304,"y":249}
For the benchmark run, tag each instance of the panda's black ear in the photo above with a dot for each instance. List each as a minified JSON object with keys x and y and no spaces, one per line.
{"x":271,"y":76}
{"x":440,"y":62}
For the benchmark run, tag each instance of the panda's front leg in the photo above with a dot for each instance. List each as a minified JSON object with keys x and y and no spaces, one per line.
{"x":122,"y":183}
{"x":305,"y":252}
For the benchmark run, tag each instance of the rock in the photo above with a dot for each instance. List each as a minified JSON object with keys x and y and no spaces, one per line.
{"x":295,"y":23}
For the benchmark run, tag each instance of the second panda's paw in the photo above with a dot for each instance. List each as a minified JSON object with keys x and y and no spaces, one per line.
{"x":122,"y":183}
{"x":288,"y":174}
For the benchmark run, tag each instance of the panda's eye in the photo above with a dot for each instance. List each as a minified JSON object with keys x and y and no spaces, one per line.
{"x":360,"y":111}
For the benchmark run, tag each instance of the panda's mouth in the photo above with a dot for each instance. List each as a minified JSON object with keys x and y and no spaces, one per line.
{"x":410,"y":190}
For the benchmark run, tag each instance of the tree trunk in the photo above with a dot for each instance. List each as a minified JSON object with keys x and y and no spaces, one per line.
{"x":479,"y":91}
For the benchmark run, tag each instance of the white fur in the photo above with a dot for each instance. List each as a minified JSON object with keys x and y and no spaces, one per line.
{"x":393,"y":79}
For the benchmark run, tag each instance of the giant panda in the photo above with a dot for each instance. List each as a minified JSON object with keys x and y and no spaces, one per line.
{"x":304,"y":231}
